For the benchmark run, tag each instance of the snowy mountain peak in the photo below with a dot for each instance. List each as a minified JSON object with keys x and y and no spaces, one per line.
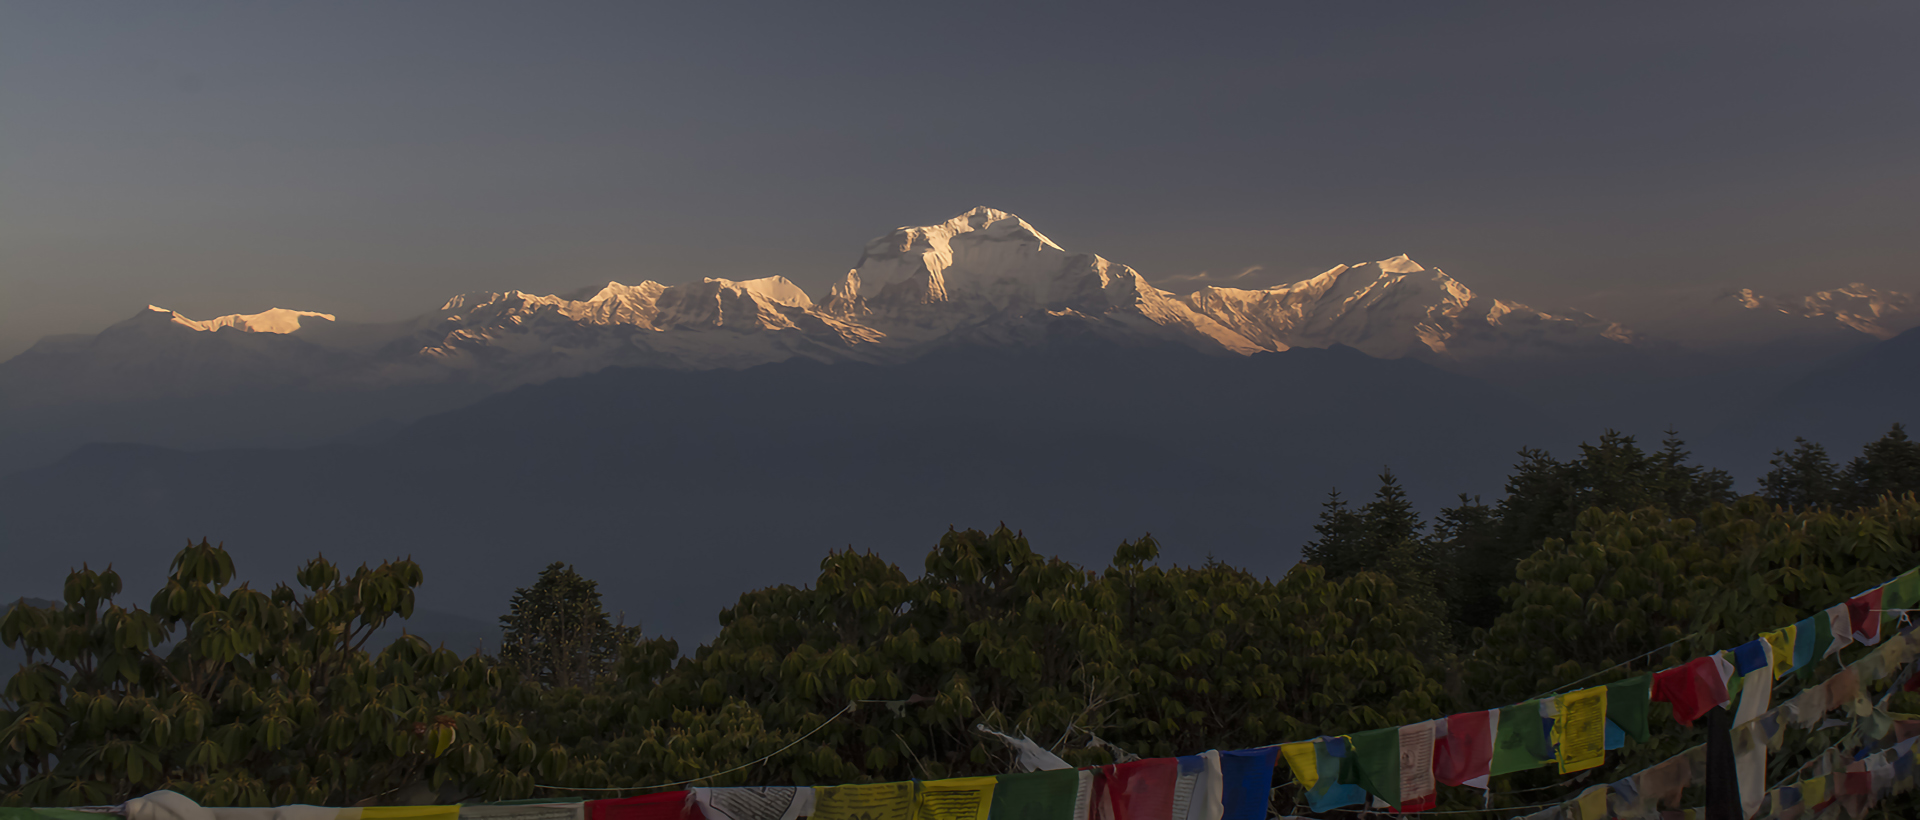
{"x":272,"y":320}
{"x":1390,"y":308}
{"x":1399,"y":264}
{"x":1881,"y":314}
{"x":981,"y":252}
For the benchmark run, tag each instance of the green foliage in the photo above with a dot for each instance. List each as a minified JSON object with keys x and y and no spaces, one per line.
{"x":1890,"y":464}
{"x":556,"y":633}
{"x":1632,"y":592}
{"x":238,"y":697}
{"x":1807,"y":477}
{"x":1545,"y":497}
{"x":1387,"y":536}
{"x":1157,"y":660}
{"x":1619,"y":556}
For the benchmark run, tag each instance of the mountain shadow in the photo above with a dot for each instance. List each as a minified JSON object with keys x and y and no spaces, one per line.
{"x":677,"y":490}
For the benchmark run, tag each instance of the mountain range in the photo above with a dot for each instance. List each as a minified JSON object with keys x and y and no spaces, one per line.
{"x":985,"y":278}
{"x":685,"y":442}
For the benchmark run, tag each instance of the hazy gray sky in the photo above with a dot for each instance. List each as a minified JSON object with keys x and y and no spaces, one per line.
{"x":371,"y":159}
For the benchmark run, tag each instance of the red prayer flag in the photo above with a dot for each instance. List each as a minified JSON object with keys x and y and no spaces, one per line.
{"x":1467,"y":750}
{"x":1141,"y":790}
{"x":1864,"y":613}
{"x":1692,"y":687}
{"x":1423,"y":804}
{"x":662,"y":806}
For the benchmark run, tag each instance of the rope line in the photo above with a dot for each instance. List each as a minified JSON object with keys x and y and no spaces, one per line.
{"x":775,"y":753}
{"x":1627,"y":662}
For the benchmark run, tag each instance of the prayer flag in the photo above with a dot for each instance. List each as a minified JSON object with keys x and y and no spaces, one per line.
{"x":1692,"y":688}
{"x":1196,"y":790}
{"x":1805,"y":642}
{"x":1628,"y":703}
{"x":1780,"y":649}
{"x":1519,"y":743}
{"x":1376,"y":754}
{"x":754,"y":803}
{"x":1750,"y":656}
{"x":1246,"y":780}
{"x":1416,"y":766}
{"x":1335,"y":789}
{"x":1843,"y":691}
{"x":1756,"y":690}
{"x":1665,"y":782}
{"x":958,"y":798}
{"x":1580,"y":731}
{"x":1750,"y":766}
{"x":1303,"y":759}
{"x":1813,"y":791}
{"x":1043,"y":795}
{"x":873,"y":801}
{"x":1616,"y":737}
{"x":1466,"y":752}
{"x":1840,"y":626}
{"x":1903,"y":592}
{"x":1863,"y":612}
{"x":1590,"y":805}
{"x":1140,"y":790}
{"x":661,"y":806}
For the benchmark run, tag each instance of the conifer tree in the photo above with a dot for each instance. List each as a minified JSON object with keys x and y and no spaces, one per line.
{"x":1341,"y":549}
{"x":1890,"y":464}
{"x":1805,"y":477}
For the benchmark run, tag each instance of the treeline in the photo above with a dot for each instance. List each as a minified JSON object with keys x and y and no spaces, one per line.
{"x":1462,"y":561}
{"x":243,"y":697}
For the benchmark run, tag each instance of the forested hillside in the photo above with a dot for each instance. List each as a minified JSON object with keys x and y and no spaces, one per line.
{"x":1613,"y":564}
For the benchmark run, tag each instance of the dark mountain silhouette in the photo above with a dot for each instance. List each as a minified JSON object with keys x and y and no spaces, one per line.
{"x":1850,"y":400}
{"x":677,"y":490}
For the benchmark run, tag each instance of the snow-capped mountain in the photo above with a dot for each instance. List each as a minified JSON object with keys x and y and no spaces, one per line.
{"x":983,"y":278}
{"x":1881,"y":314}
{"x":1395,"y":307}
{"x":987,"y":275}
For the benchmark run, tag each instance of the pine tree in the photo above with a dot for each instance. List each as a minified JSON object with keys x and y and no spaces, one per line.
{"x":1805,"y":477}
{"x":1685,"y":488}
{"x":556,"y":633}
{"x":1888,"y":465}
{"x":1342,"y":548}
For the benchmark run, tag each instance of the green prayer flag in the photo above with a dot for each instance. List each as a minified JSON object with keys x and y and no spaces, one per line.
{"x":1047,"y":795}
{"x":1521,"y":742}
{"x":1627,"y":704}
{"x":1376,"y":754}
{"x":1822,"y":641}
{"x":1901,"y":593}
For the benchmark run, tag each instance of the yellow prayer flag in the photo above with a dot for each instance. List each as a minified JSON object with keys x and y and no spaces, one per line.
{"x":1782,"y":643}
{"x":1591,"y":804}
{"x":410,"y":813}
{"x":1580,"y":732}
{"x":959,"y":798}
{"x":1304,"y":760}
{"x":875,"y":801}
{"x":1813,"y":792}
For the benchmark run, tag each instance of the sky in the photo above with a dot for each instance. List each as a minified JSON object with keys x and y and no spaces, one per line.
{"x":371,"y":159}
